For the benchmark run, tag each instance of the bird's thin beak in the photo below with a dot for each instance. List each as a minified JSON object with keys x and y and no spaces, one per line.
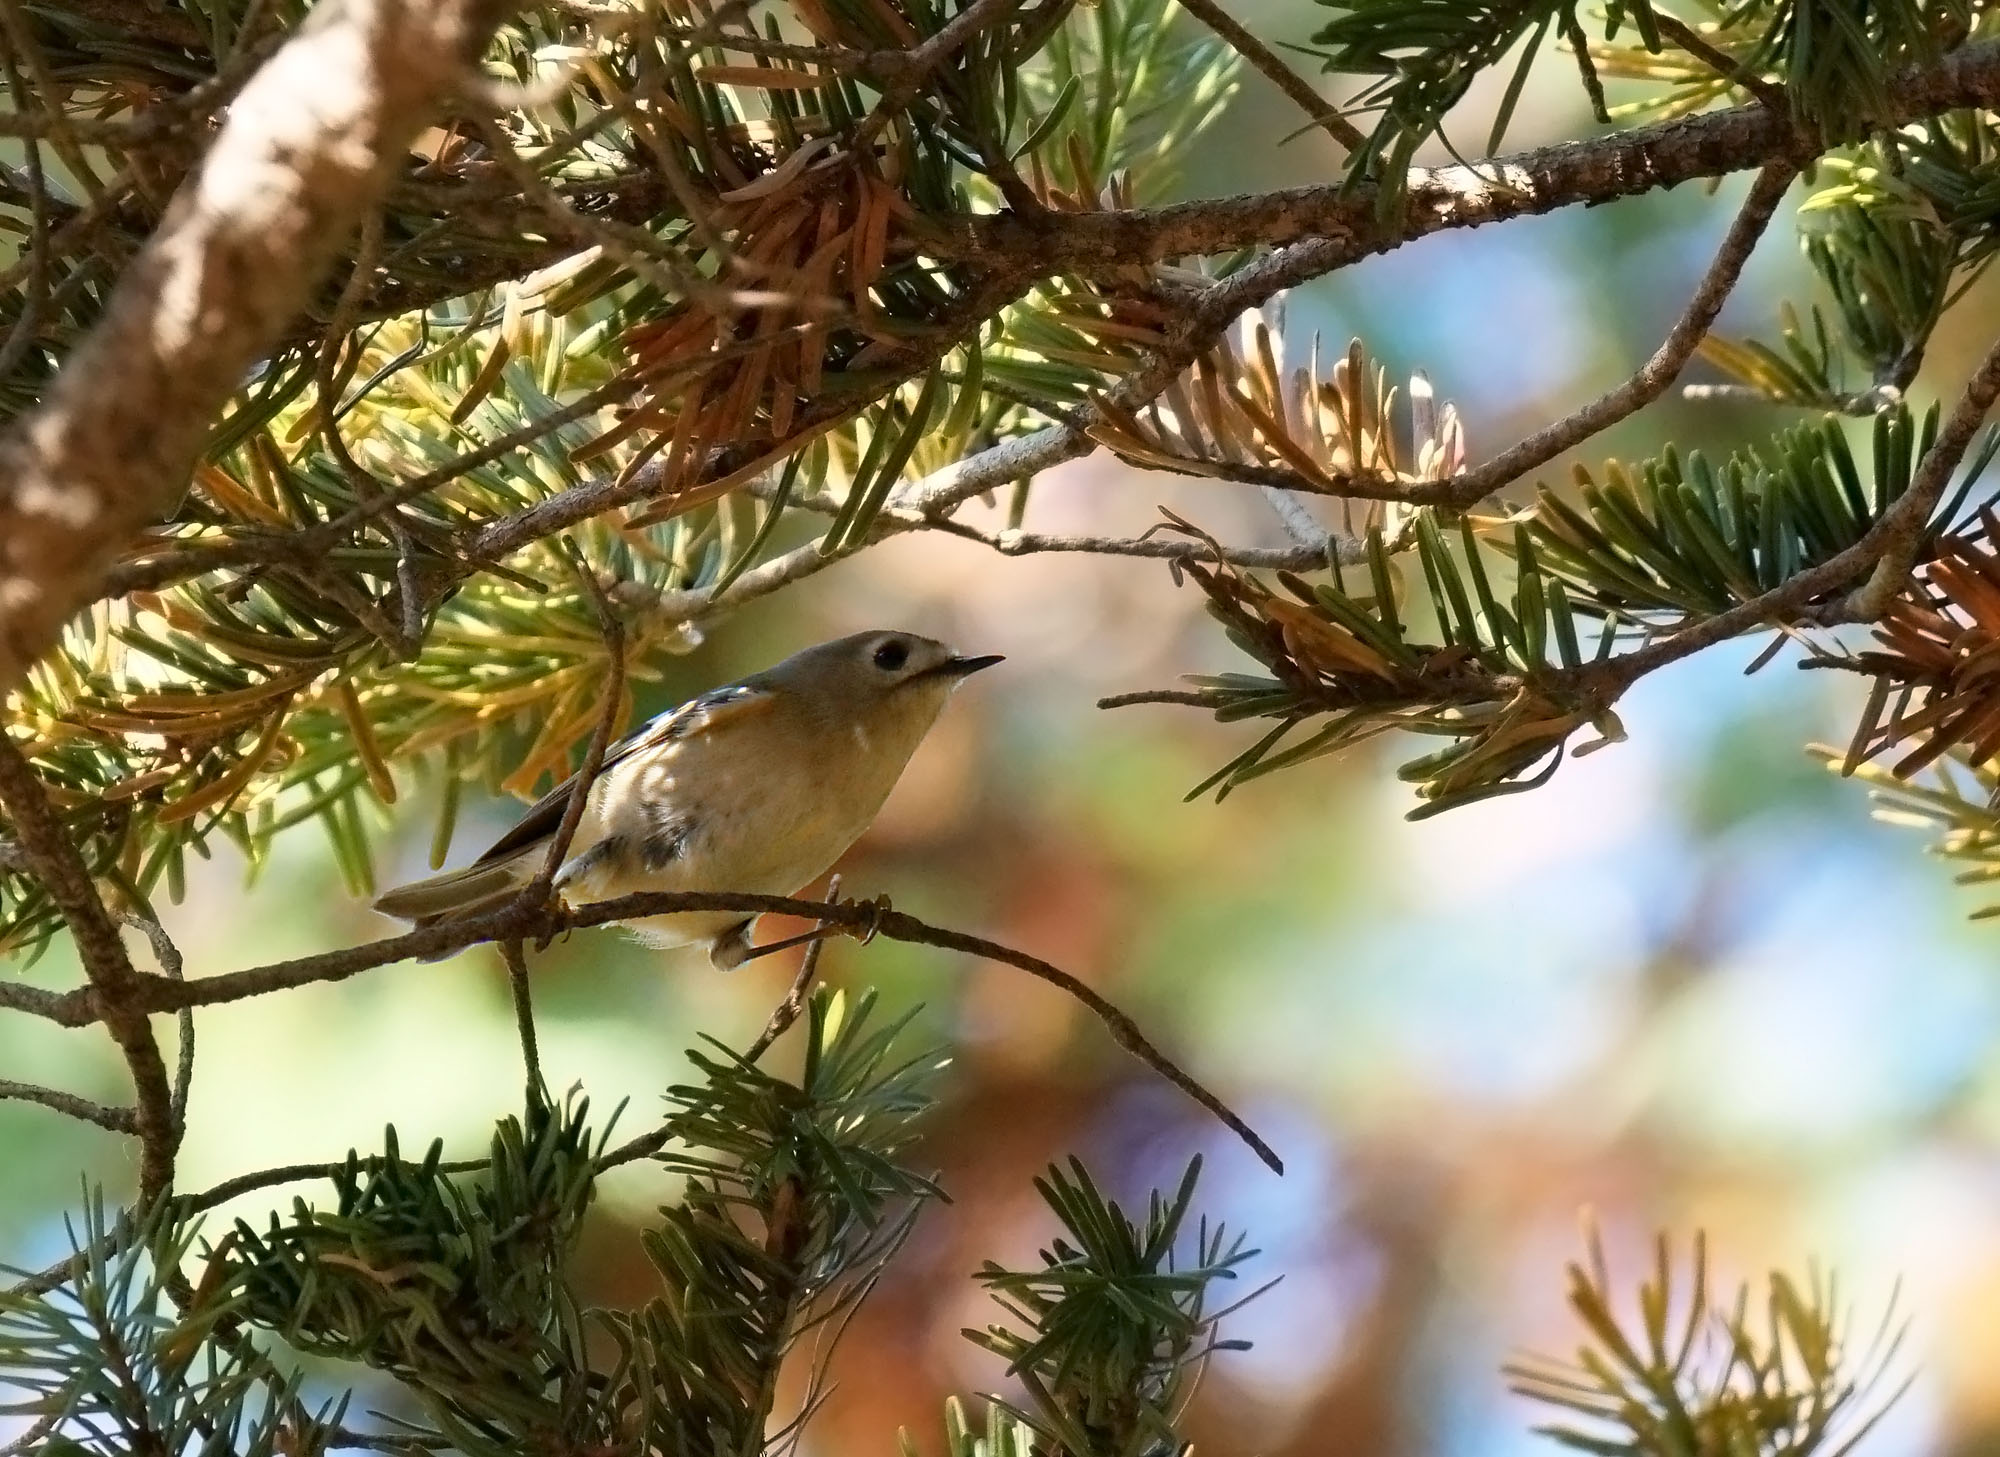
{"x":966,"y":667}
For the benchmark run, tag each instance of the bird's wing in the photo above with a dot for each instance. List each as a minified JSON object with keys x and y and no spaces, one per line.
{"x":718,"y":705}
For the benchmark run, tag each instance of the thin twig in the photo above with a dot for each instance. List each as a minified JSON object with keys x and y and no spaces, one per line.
{"x":1888,"y":547}
{"x":118,"y":1120}
{"x":537,"y":890}
{"x":1300,"y":524}
{"x":927,"y":57}
{"x":1647,"y":383}
{"x":329,"y":376}
{"x":1273,"y":68}
{"x":77,"y":229}
{"x":647,"y":256}
{"x":333,"y":368}
{"x":1159,"y":695}
{"x":788,"y":1011}
{"x":1314,"y":540}
{"x":61,"y":135}
{"x":1301,"y":558}
{"x":499,"y":538}
{"x":182,"y":563}
{"x":169,"y":957}
{"x":1721,"y":62}
{"x":524,"y":1019}
{"x":161,"y":994}
{"x":1124,"y":1031}
{"x":854,"y":916}
{"x":1863,"y":404}
{"x":1194,"y":332}
{"x":116,"y":991}
{"x":1904,"y":525}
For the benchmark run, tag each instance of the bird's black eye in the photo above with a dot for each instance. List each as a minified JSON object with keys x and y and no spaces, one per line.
{"x":891,"y":655}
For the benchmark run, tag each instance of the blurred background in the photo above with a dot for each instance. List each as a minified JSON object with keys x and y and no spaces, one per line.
{"x":1688,"y":985}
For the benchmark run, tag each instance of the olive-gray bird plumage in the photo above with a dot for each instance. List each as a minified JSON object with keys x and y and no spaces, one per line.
{"x":755,"y":787}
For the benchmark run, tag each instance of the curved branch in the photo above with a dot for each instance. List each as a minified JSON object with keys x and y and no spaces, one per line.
{"x":1651,"y":380}
{"x":1029,"y":453}
{"x":518,"y":922}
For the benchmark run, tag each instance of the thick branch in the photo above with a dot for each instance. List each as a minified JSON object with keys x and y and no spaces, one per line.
{"x":1524,"y":184}
{"x":1623,"y":164}
{"x":309,"y":147}
{"x":1595,"y":170}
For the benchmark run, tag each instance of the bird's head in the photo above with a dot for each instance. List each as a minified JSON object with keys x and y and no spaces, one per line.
{"x":889,"y":682}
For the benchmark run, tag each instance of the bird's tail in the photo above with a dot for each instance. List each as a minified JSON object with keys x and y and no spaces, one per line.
{"x":457,"y":892}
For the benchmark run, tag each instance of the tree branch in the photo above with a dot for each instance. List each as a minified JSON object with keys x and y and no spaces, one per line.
{"x":1441,"y":199}
{"x":1649,"y":382}
{"x":608,"y":720}
{"x":1889,"y":546}
{"x":516,"y":921}
{"x":1768,"y":93}
{"x":1542,"y":180}
{"x":1903,"y":526}
{"x":1192,"y":334}
{"x":118,"y":1120}
{"x":1623,"y":164}
{"x":309,"y":146}
{"x":115,"y":995}
{"x":1299,"y":558}
{"x":169,"y":957}
{"x":1273,"y":69}
{"x":1312,"y":539}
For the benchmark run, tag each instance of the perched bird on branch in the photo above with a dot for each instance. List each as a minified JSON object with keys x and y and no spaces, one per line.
{"x":756,"y":787}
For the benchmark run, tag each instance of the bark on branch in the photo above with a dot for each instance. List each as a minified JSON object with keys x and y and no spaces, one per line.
{"x":309,"y":147}
{"x":1524,"y":184}
{"x":1585,"y":172}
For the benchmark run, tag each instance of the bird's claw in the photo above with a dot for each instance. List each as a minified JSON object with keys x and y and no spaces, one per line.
{"x":559,"y":910}
{"x":877,"y":908}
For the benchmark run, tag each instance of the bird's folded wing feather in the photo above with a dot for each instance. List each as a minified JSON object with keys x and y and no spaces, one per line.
{"x":697,"y":715}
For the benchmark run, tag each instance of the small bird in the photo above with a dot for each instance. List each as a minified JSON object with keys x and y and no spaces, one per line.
{"x":755,"y":787}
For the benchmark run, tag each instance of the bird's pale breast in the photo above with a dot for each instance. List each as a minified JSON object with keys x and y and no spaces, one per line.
{"x":715,"y":812}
